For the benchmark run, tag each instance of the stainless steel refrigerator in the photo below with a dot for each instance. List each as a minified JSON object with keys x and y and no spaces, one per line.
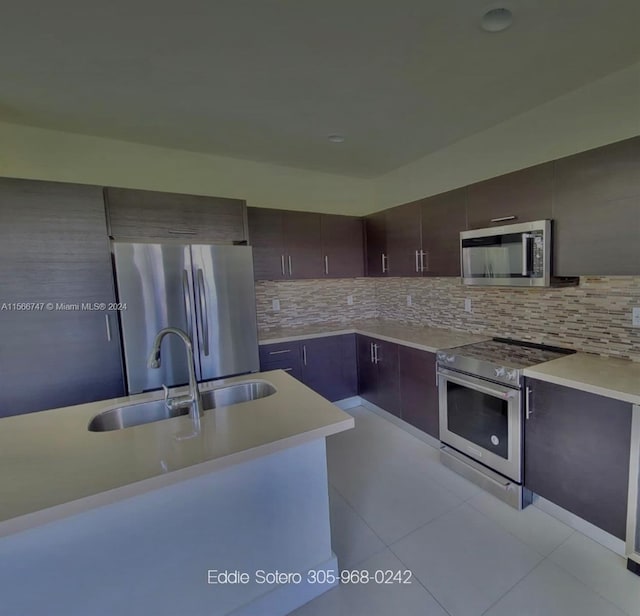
{"x":207,"y":291}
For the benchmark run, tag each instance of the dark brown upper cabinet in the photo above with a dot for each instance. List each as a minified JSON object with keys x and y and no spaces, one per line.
{"x":286,"y":245}
{"x":444,"y":216}
{"x":342,"y":246}
{"x":404,"y":241}
{"x":521,"y":196}
{"x":375,"y":226}
{"x":148,"y":215}
{"x":596,"y":211}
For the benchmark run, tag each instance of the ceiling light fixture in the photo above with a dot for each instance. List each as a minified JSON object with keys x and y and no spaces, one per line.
{"x":496,"y":20}
{"x":336,"y":138}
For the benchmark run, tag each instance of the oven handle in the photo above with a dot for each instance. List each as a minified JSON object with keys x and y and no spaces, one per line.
{"x":498,"y":391}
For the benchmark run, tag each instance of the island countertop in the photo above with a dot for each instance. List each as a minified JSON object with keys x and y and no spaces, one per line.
{"x":52,"y":466}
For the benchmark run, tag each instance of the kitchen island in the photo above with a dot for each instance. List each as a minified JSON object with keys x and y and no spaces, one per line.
{"x":145,"y":519}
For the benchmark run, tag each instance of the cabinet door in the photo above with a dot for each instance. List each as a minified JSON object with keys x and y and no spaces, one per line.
{"x":388,"y":384}
{"x":404,"y":240}
{"x":55,"y":250}
{"x":266,"y":236}
{"x":328,"y":366}
{"x":577,"y":449}
{"x":418,"y":389}
{"x":596,"y":211}
{"x":376,"y":244}
{"x":282,"y":356}
{"x":521,"y":196}
{"x":150,"y":215}
{"x":303,"y":243}
{"x":367,"y":370}
{"x":342,"y":246}
{"x":444,"y":216}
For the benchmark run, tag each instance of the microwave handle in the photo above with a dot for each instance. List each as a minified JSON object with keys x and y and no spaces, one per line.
{"x":526,"y":237}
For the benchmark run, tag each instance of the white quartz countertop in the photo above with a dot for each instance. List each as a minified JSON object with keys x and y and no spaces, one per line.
{"x":606,"y":376}
{"x":425,"y":338}
{"x":51,"y":466}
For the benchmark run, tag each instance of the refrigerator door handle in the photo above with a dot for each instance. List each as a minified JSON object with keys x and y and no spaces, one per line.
{"x":204,"y":314}
{"x":186,"y":296}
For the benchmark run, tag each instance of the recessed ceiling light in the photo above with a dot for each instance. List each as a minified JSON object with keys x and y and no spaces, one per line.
{"x":496,"y":20}
{"x":336,"y":138}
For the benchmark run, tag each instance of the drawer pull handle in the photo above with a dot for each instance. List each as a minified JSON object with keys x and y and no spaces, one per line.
{"x":503,"y":218}
{"x":279,"y":352}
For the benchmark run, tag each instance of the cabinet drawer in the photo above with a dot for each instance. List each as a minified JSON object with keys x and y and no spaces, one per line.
{"x":280,"y":352}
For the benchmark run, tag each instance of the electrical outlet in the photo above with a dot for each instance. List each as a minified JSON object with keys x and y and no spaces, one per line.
{"x":349,"y":300}
{"x":467,"y":305}
{"x":635,"y":317}
{"x":275,"y":304}
{"x":409,"y":301}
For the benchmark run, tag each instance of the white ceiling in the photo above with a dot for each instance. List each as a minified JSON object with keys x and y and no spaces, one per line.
{"x":268,"y":80}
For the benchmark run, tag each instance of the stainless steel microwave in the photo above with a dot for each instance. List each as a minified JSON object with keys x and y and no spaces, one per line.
{"x":509,"y":255}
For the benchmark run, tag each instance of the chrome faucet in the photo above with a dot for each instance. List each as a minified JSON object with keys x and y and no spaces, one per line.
{"x":193,"y":400}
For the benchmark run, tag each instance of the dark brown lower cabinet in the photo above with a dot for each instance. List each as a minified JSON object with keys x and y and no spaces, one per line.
{"x":327,"y":365}
{"x":378,"y":374}
{"x":418,"y":389}
{"x":577,"y":447}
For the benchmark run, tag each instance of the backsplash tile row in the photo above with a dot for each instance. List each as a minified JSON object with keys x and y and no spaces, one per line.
{"x":594,"y":317}
{"x":311,"y":302}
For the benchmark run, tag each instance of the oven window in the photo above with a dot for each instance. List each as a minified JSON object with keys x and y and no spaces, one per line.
{"x":479,"y":418}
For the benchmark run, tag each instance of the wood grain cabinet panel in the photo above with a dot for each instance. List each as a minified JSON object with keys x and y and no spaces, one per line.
{"x":444,"y":216}
{"x":266,"y":237}
{"x":329,"y":366}
{"x":342,"y":246}
{"x":596,"y":211}
{"x":521,"y":196}
{"x":378,"y":373}
{"x":418,"y":389}
{"x":303,"y":242}
{"x":404,"y":241}
{"x":55,"y":250}
{"x":577,"y":448}
{"x":376,"y":244}
{"x":150,"y":215}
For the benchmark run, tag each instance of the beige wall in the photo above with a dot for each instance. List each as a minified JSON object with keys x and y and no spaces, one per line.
{"x":35,"y":153}
{"x":605,"y":111}
{"x":602,"y":112}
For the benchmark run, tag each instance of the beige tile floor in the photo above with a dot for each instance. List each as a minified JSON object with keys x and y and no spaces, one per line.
{"x":395,"y":507}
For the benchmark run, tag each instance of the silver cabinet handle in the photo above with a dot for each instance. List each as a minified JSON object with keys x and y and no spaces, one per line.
{"x":279,"y":352}
{"x":503,"y":218}
{"x":186,"y":297}
{"x":418,"y":252}
{"x":203,"y":310}
{"x":424,"y":260}
{"x":527,"y":403}
{"x":385,"y":263}
{"x":304,"y":354}
{"x":326,"y":264}
{"x":284,"y":273}
{"x":181,"y":232}
{"x":375,"y":354}
{"x":107,"y":322}
{"x":371,"y":349}
{"x":290,"y":269}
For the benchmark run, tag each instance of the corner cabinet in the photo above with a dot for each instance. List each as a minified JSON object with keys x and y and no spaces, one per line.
{"x":297,"y":245}
{"x":577,"y":448}
{"x":378,"y":374}
{"x":327,"y":364}
{"x":54,"y":256}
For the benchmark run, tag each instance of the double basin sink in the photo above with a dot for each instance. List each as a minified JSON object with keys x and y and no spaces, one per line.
{"x":149,"y":412}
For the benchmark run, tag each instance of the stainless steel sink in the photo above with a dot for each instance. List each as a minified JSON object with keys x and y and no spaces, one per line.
{"x":234,"y":394}
{"x":149,"y":412}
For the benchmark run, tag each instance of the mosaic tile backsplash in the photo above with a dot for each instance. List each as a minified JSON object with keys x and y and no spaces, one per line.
{"x":594,"y":317}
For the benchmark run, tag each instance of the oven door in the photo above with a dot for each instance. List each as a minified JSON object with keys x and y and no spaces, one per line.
{"x":482,"y":420}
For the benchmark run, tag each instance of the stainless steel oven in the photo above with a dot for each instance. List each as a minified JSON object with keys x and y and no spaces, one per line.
{"x":482,"y":420}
